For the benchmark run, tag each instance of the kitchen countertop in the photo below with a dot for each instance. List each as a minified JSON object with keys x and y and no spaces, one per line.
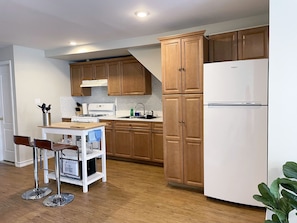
{"x":120,"y":118}
{"x":74,"y":125}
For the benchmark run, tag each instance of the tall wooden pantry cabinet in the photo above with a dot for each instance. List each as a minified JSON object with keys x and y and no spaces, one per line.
{"x":182,"y":85}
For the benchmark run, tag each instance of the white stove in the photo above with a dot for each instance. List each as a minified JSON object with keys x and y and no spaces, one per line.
{"x":95,"y":111}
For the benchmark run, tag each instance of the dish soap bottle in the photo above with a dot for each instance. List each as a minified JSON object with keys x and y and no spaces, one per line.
{"x":131,"y":112}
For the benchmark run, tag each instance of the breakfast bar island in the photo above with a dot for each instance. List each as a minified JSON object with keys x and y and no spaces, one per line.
{"x":82,"y":130}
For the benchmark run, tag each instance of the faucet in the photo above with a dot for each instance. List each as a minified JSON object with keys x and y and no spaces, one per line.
{"x":140,"y":104}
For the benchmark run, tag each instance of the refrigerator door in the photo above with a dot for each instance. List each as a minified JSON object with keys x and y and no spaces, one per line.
{"x":235,"y":152}
{"x":243,"y":81}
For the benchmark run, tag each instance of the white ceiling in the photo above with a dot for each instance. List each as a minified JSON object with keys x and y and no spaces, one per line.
{"x":51,"y":24}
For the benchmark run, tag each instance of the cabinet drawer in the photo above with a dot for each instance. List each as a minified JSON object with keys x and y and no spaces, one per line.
{"x":157,"y":126}
{"x":132,"y":125}
{"x":109,"y":124}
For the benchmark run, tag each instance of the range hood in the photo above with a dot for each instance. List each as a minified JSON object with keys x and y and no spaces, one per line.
{"x":94,"y":83}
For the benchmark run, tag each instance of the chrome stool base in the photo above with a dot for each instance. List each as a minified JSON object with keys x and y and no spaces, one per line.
{"x":36,"y":193}
{"x":58,"y":200}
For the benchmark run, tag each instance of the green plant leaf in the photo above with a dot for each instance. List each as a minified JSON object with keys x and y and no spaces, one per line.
{"x":284,"y":209}
{"x":275,"y":219}
{"x":292,"y":198}
{"x":274,"y":188}
{"x":290,"y":169}
{"x":289,"y":184}
{"x":264,"y":201}
{"x":267,"y":198}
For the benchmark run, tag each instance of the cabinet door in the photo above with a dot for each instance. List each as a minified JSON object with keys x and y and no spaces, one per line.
{"x":133,"y":78}
{"x":171,"y":66}
{"x":114,"y":78}
{"x":109,"y":141}
{"x":157,"y":142}
{"x":76,"y":80}
{"x":122,"y":143}
{"x":223,"y":47}
{"x":141,"y":144}
{"x":100,"y":71}
{"x":109,"y":137}
{"x":192,"y":139}
{"x":192,"y":64}
{"x":87,"y":72}
{"x":173,"y":150}
{"x":253,"y":43}
{"x":157,"y":147}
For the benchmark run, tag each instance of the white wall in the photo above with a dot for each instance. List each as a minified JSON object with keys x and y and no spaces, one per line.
{"x":282,"y":138}
{"x":37,"y":77}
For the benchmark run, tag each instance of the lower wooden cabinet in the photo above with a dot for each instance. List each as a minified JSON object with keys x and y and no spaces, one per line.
{"x":141,"y":144}
{"x":122,"y":143}
{"x":183,"y":150}
{"x":157,"y":142}
{"x":135,"y":140}
{"x":132,"y":139}
{"x":109,"y":141}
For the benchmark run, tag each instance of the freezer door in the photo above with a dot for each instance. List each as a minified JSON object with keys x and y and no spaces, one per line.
{"x":236,"y":82}
{"x":235,"y":152}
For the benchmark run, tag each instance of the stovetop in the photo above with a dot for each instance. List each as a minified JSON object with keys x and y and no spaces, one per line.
{"x":95,"y":111}
{"x":93,"y":115}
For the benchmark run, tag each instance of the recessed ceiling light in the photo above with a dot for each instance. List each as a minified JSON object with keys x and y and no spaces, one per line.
{"x":72,"y":43}
{"x":142,"y":13}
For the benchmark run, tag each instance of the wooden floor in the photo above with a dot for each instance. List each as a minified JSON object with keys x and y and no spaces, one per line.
{"x":133,"y":193}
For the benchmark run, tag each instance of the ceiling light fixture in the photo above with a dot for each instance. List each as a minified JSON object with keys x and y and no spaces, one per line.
{"x":142,"y":14}
{"x":72,"y":43}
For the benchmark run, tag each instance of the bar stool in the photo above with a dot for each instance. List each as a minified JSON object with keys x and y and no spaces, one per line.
{"x":59,"y":199}
{"x":37,"y":192}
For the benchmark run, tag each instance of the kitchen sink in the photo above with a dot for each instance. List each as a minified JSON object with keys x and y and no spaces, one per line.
{"x":140,"y":117}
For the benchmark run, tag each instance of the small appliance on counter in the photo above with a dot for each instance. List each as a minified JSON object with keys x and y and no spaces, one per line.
{"x":94,"y":111}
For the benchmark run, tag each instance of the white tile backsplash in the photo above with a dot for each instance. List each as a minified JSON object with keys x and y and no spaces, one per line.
{"x":123,"y":103}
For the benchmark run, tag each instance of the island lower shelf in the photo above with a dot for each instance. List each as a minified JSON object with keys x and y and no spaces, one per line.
{"x":90,"y":179}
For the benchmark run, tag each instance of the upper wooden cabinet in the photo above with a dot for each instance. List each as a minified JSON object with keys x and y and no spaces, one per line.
{"x":182,"y":62}
{"x":128,"y":77}
{"x":99,"y":71}
{"x":76,"y":77}
{"x":114,"y":78}
{"x":253,"y":43}
{"x":94,"y":70}
{"x":223,"y":47}
{"x":239,"y":45}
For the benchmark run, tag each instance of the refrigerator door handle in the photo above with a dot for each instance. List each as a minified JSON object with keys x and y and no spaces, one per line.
{"x":235,"y":104}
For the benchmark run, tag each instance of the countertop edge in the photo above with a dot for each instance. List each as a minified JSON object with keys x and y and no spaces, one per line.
{"x":115,"y":118}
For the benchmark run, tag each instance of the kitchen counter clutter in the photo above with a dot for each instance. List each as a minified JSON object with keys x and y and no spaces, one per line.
{"x":82,"y":130}
{"x":133,"y":119}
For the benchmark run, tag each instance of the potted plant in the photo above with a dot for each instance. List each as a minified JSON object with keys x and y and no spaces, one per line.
{"x":281,"y":197}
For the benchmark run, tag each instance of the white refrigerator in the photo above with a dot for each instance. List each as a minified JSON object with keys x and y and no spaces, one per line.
{"x":235,"y":129}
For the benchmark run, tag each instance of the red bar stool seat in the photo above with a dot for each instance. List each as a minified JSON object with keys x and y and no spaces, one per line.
{"x":59,"y":199}
{"x":37,"y":192}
